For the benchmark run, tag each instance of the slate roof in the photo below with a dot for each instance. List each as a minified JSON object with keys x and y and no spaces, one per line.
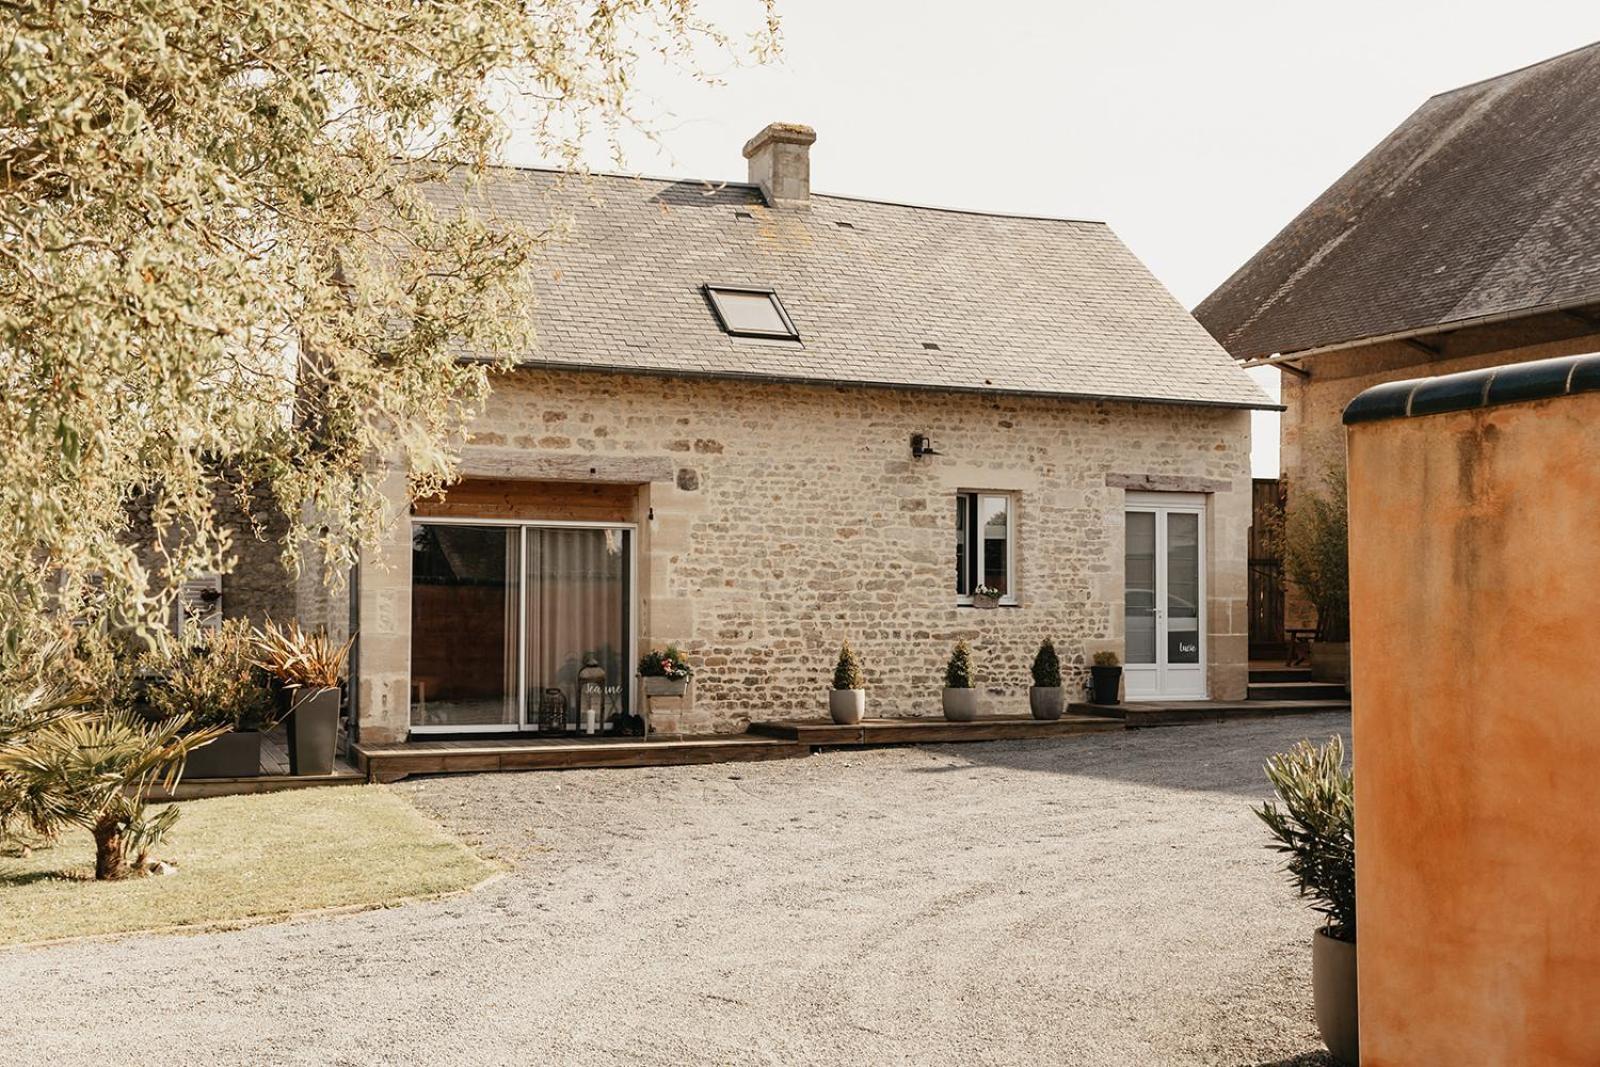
{"x":1014,"y":305}
{"x":1484,"y":203}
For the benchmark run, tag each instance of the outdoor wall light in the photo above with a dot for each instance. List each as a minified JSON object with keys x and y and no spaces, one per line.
{"x":922,"y":445}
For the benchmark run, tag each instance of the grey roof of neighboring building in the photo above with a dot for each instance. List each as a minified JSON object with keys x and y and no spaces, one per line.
{"x":1485,"y":203}
{"x":1013,"y":304}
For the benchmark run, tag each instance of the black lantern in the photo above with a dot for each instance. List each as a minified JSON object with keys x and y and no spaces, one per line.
{"x":553,"y":711}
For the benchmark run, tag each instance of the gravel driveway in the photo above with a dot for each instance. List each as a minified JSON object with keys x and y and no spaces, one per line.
{"x":1098,"y":900}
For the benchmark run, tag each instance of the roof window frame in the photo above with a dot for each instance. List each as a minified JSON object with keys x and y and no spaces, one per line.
{"x":709,"y":291}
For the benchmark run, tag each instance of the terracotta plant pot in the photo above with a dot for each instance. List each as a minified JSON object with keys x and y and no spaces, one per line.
{"x":656,"y":686}
{"x":313,"y":731}
{"x":1046,"y":702}
{"x":1105,"y":685}
{"x":847,"y":705}
{"x":1333,"y":990}
{"x":961,"y":705}
{"x":236,"y":754}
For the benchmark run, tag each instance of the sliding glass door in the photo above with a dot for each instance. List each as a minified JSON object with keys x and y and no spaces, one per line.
{"x":511,"y":623}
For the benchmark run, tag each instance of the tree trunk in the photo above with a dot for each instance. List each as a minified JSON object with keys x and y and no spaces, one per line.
{"x":108,"y":859}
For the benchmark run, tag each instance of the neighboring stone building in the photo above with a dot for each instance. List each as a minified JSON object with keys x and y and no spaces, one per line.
{"x":761,"y":421}
{"x":1469,"y":238}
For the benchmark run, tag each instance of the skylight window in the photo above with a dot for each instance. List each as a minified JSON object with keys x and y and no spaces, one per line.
{"x":750,"y":312}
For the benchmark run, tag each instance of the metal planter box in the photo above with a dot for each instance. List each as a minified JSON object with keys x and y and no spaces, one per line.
{"x":236,"y":754}
{"x":313,"y":731}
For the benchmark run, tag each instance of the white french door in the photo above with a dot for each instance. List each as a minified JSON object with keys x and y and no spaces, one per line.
{"x":1164,"y":597}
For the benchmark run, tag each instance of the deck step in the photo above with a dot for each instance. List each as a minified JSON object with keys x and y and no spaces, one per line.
{"x":1145,"y":715}
{"x":1306,"y":690}
{"x":1280,"y":674}
{"x":390,"y":763}
{"x":931,"y":730}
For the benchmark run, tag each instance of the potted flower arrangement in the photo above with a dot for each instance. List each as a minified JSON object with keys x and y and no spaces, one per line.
{"x":960,"y":699}
{"x":1105,"y":679}
{"x":1045,"y":698}
{"x":986,"y":596}
{"x":665,"y":672}
{"x":847,"y":697}
{"x":211,"y":680}
{"x":309,"y":669}
{"x":1315,"y":829}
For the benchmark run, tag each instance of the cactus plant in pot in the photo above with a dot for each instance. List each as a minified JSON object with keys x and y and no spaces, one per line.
{"x":847,"y":697}
{"x":1046,"y":698}
{"x":1315,"y":828}
{"x":309,"y":668}
{"x":960,"y":699}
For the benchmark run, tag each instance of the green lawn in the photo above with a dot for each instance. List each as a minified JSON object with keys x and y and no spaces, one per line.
{"x":244,"y":857}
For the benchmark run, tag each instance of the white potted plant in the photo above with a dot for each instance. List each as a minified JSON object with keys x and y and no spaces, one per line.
{"x":986,"y":597}
{"x":960,"y":699}
{"x":665,"y":672}
{"x":847,"y":698}
{"x":1046,"y":698}
{"x":1315,"y":829}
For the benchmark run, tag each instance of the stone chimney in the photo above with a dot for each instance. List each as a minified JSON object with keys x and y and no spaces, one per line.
{"x":780,"y":162}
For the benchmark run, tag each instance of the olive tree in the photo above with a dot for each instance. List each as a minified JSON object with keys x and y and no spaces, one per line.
{"x":221,"y":276}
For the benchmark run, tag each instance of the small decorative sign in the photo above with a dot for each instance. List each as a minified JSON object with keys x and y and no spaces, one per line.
{"x":1183,"y":646}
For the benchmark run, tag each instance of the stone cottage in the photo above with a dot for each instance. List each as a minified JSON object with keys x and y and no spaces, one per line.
{"x":761,"y":421}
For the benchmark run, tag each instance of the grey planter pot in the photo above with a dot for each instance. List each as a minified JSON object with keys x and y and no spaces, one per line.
{"x":236,"y":754}
{"x":986,"y":603}
{"x":961,"y":705}
{"x":847,"y":706}
{"x":665,"y":687}
{"x":313,"y":731}
{"x":1333,"y":991}
{"x":1046,"y":701}
{"x":1330,"y":661}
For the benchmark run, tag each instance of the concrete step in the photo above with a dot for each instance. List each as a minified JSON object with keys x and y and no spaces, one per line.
{"x":1280,"y":674}
{"x":1298,"y":690}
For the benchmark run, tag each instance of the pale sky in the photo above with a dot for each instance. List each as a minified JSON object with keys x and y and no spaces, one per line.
{"x":1197,"y":130}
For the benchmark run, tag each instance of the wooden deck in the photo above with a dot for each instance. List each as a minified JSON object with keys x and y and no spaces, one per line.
{"x":825,"y":732}
{"x":389,"y":763}
{"x":1138,"y":715}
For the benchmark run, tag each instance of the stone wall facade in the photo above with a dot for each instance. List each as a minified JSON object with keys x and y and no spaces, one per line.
{"x":776,"y":520}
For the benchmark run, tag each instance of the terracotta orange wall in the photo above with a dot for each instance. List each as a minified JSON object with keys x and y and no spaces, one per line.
{"x":1475,"y":585}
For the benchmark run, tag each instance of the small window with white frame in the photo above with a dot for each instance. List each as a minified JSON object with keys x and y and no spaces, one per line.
{"x":985,"y":546}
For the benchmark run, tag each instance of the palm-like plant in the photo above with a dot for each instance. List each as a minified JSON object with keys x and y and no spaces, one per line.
{"x":95,"y":771}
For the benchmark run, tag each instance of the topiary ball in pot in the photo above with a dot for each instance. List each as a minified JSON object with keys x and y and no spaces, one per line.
{"x":1046,"y":699}
{"x":847,"y":697}
{"x":960,"y":699}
